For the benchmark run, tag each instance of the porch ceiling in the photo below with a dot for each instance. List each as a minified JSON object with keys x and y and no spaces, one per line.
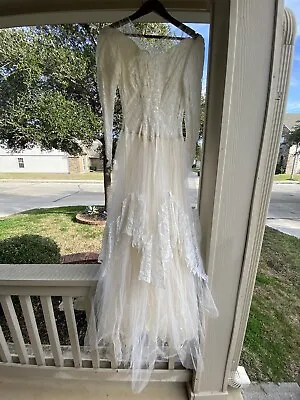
{"x":27,"y":12}
{"x":8,"y":7}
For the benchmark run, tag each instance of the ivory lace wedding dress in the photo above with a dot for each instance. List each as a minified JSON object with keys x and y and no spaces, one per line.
{"x":152,"y":292}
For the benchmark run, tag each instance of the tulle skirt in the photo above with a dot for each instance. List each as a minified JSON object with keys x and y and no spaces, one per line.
{"x":152,"y":293}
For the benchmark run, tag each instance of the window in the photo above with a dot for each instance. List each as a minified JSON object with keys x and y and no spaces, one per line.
{"x":21,"y":162}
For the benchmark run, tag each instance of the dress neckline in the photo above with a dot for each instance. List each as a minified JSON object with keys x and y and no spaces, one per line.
{"x":172,"y":48}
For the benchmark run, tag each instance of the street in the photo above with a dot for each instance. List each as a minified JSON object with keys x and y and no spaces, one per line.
{"x":17,"y":196}
{"x":284,"y":209}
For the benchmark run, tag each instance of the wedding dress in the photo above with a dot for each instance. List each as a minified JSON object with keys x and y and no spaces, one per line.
{"x":152,"y":292}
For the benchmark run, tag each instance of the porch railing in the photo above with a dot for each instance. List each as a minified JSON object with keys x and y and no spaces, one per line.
{"x":42,"y":331}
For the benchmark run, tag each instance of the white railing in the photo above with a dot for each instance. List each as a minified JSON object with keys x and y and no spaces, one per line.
{"x":53,"y":289}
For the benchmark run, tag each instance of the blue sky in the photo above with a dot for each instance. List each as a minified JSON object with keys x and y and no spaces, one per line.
{"x":293,"y":104}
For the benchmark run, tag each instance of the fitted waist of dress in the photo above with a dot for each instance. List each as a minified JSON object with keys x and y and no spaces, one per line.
{"x":153,"y":134}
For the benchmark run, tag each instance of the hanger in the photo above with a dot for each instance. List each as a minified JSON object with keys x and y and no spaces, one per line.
{"x":157,"y":7}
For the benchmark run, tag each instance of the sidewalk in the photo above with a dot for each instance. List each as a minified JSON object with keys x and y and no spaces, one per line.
{"x":284,"y":208}
{"x":285,"y":225}
{"x":286,"y":182}
{"x":272,"y":391}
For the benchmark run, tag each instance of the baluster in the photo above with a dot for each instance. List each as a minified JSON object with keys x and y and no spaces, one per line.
{"x":32,"y":329}
{"x":91,"y":329}
{"x":72,"y":329}
{"x":5,"y":355}
{"x":112,"y":359}
{"x":171,"y":358}
{"x":52,"y":330}
{"x":14,"y":327}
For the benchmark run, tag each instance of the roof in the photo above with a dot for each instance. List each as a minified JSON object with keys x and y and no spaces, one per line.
{"x":289,"y":120}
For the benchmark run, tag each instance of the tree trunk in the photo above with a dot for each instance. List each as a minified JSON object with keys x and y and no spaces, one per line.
{"x":107,"y":180}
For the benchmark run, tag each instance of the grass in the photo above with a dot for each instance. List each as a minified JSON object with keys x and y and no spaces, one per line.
{"x":48,"y":176}
{"x":272,"y":344}
{"x":58,"y":224}
{"x":286,"y":177}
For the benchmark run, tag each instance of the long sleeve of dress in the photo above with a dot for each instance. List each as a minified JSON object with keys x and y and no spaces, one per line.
{"x":108,"y":73}
{"x":192,"y":84}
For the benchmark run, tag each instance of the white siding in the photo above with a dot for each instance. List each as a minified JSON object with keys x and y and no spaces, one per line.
{"x":290,"y":161}
{"x":34,"y":160}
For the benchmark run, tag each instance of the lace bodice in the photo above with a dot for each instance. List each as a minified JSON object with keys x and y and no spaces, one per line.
{"x":156,"y":90}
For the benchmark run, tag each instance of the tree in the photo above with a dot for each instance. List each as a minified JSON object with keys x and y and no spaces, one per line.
{"x":199,"y":144}
{"x":47,"y":92}
{"x":294,"y":136}
{"x":294,"y":139}
{"x":48,"y":88}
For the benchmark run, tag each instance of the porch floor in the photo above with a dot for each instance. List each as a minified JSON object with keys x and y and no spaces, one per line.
{"x":12,"y":389}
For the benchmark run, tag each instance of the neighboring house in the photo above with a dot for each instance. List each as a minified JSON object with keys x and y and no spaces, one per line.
{"x":37,"y":160}
{"x":93,"y":152}
{"x":286,"y":152}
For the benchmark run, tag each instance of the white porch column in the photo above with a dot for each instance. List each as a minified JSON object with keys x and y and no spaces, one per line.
{"x":243,"y":130}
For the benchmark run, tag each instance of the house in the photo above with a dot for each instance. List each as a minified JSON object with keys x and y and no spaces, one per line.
{"x":250,"y":51}
{"x":53,"y":161}
{"x":93,"y":153}
{"x":287,"y":156}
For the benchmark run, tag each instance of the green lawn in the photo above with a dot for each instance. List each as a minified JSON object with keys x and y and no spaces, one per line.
{"x":56,"y":223}
{"x":49,"y":177}
{"x":272,"y":343}
{"x":286,"y":177}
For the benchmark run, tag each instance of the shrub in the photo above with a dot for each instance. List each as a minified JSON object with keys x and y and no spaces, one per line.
{"x":29,"y":249}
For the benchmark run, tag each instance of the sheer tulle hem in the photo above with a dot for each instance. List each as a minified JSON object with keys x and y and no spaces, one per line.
{"x":152,"y":296}
{"x":142,"y":323}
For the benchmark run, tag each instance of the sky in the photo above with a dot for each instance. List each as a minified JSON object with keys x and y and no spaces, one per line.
{"x":293,"y":104}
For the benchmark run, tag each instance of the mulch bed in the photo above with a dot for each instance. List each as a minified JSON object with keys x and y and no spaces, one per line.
{"x":89,"y":219}
{"x":80,"y":258}
{"x":60,"y":319}
{"x":98,"y":218}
